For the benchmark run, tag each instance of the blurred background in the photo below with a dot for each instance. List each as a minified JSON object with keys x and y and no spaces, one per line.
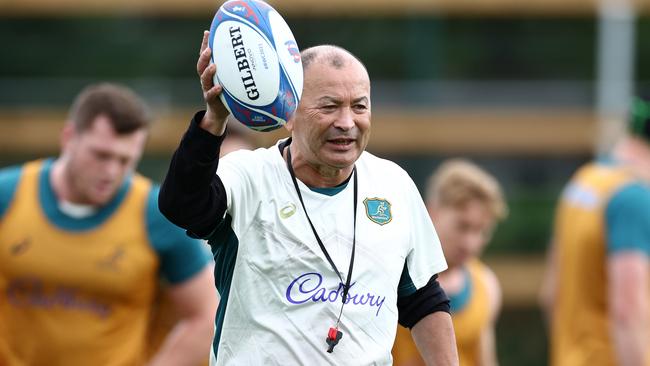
{"x":528,"y":89}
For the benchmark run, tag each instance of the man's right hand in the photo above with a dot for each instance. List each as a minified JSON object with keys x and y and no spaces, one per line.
{"x":214,"y":120}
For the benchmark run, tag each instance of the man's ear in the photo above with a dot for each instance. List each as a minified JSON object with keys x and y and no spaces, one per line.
{"x":289,"y":124}
{"x":67,"y":135}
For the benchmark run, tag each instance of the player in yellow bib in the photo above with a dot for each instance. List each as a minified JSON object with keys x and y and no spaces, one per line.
{"x":465,"y":203}
{"x":83,"y":249}
{"x":596,"y":291}
{"x":238,"y":138}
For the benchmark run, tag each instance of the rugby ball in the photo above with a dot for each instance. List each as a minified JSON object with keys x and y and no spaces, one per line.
{"x":258,"y":64}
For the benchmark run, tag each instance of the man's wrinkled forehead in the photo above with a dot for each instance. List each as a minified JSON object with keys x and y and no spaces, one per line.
{"x":331,"y":56}
{"x":333,"y":67}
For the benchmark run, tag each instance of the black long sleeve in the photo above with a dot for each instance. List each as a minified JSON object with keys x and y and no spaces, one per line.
{"x":427,"y":300}
{"x":192,"y":196}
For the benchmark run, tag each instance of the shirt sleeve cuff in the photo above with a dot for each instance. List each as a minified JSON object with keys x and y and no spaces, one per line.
{"x":201,"y":144}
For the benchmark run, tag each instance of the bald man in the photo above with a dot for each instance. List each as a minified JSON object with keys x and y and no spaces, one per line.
{"x":320,"y":247}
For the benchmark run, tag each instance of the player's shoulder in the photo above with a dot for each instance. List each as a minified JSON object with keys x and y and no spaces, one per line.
{"x":251,"y":159}
{"x":9,"y":178}
{"x":181,"y":257}
{"x":243,"y":154}
{"x":380,"y":166}
{"x":493,"y":287}
{"x":10,"y":175}
{"x":138,"y":178}
{"x":153,"y":214}
{"x":160,"y":230}
{"x":487,"y":274}
{"x":156,"y":221}
{"x":490,"y":282}
{"x":261,"y":164}
{"x":633,"y":189}
{"x":630,"y":198}
{"x":388,"y":177}
{"x":604,"y":172}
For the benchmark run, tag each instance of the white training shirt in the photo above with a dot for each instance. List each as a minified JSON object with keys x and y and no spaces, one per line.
{"x":284,"y":295}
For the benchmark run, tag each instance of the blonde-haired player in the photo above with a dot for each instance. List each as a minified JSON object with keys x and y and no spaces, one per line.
{"x":465,"y":203}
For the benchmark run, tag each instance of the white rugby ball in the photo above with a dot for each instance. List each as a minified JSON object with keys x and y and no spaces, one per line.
{"x":258,"y":63}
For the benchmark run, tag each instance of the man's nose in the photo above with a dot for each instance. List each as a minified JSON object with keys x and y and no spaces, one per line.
{"x":113,"y":168}
{"x":345,"y":120}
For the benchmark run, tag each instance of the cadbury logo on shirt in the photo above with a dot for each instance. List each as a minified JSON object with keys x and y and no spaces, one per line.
{"x":309,"y":287}
{"x":34,"y":293}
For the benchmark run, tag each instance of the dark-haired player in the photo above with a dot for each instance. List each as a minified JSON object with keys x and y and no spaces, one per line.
{"x":597,"y":289}
{"x":83,"y":249}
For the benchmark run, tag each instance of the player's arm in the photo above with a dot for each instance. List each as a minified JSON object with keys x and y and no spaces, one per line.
{"x":488,"y":352}
{"x":189,"y":341}
{"x":628,"y":236}
{"x":424,"y":307}
{"x":426,"y":312}
{"x":192,"y":196}
{"x":186,"y":266}
{"x":628,"y":299}
{"x":548,"y":287}
{"x":434,"y":337}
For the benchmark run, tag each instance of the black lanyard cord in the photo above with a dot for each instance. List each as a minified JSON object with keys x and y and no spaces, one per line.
{"x":320,"y":242}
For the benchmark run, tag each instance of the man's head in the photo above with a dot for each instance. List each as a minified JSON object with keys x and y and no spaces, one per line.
{"x":465,"y":203}
{"x":639,"y":118}
{"x":634,"y":149}
{"x":102,"y":142}
{"x":331,"y":126}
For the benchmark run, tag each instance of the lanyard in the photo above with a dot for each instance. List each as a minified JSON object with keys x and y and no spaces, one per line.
{"x":334,"y":334}
{"x":320,"y":242}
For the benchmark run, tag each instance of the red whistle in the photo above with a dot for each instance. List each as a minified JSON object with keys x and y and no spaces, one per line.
{"x":332,"y":333}
{"x":333,"y":337}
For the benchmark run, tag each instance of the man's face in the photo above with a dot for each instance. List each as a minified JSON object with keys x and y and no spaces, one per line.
{"x":331,"y":126}
{"x":98,"y":159}
{"x":464,"y":231}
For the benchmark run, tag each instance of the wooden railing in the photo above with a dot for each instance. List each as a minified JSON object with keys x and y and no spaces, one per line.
{"x":532,"y":132}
